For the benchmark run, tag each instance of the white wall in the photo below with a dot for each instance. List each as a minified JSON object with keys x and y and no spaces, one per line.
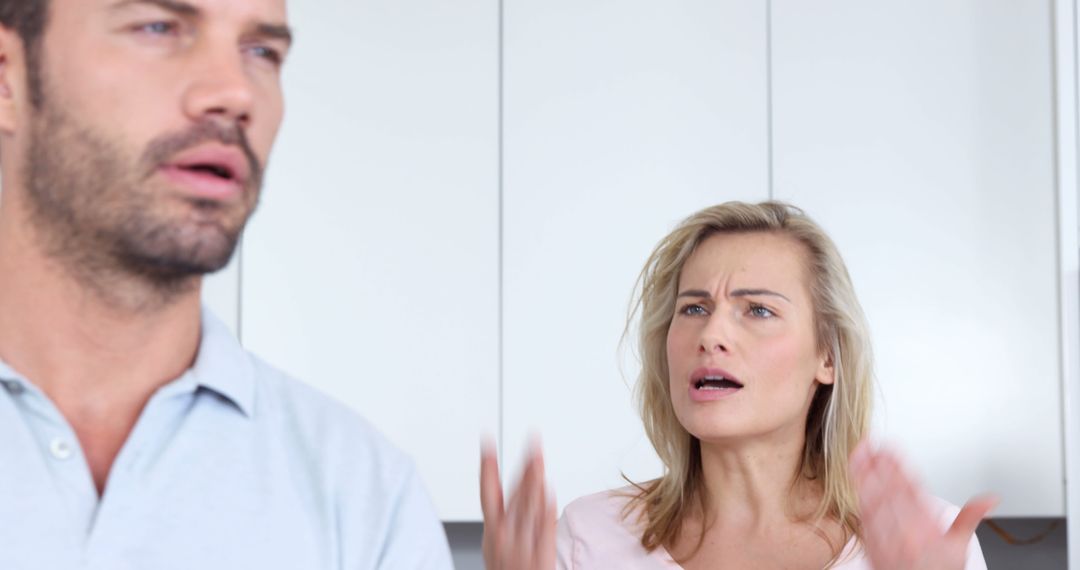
{"x":621,"y":119}
{"x":371,"y":268}
{"x":921,"y":135}
{"x":453,"y":223}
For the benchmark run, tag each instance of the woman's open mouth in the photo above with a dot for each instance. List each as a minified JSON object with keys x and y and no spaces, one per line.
{"x":708,"y":384}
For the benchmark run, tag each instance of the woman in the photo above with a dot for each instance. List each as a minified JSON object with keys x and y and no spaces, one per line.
{"x":755,"y":391}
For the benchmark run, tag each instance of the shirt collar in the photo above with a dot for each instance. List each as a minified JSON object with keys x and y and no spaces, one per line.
{"x":223,"y":366}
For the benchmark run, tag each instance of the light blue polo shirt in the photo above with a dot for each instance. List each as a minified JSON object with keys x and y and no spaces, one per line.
{"x":232,"y":466}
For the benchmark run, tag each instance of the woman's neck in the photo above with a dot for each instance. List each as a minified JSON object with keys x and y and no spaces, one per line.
{"x":754,"y":483}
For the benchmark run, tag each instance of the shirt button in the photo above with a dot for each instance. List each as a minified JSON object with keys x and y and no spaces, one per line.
{"x":60,"y":449}
{"x":13,"y":387}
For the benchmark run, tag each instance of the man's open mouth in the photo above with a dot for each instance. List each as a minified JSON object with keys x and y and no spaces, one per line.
{"x":218,"y":170}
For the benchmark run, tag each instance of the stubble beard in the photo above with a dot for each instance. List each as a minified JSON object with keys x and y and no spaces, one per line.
{"x":111,"y":222}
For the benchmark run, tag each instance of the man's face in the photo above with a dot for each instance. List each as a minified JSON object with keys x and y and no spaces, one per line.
{"x":146,"y":151}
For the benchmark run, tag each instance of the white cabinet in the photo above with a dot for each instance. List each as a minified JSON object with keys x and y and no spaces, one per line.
{"x":371,"y":268}
{"x":443,"y":285}
{"x":920,"y":134}
{"x":221,"y":294}
{"x":1067,"y":100}
{"x":621,"y":118}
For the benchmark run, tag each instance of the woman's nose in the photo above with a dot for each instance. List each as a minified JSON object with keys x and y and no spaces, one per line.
{"x":714,"y":337}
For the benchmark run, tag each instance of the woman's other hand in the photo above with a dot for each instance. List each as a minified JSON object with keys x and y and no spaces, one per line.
{"x":902,"y":531}
{"x":521,"y":534}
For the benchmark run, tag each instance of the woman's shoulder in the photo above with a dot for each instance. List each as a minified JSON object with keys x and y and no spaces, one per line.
{"x":603,"y":530}
{"x":606,"y":518}
{"x":598,"y":507}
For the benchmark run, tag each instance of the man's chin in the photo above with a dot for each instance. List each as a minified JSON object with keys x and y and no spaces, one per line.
{"x":179,"y":259}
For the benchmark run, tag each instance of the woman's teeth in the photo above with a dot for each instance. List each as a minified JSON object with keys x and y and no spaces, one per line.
{"x":717,"y":384}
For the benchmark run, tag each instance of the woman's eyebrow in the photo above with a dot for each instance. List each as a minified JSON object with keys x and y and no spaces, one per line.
{"x":756,"y":292}
{"x":698,"y":293}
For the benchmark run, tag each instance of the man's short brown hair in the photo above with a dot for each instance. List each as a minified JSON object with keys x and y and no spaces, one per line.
{"x":27,"y":18}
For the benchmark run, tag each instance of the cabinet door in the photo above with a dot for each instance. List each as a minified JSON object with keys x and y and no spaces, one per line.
{"x":371,"y":267}
{"x":920,"y":134}
{"x":621,"y":118}
{"x":221,"y":294}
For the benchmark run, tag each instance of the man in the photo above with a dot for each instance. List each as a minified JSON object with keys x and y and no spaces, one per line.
{"x":137,"y":433}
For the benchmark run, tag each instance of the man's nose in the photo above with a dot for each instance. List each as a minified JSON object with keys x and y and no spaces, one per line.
{"x":221,"y":89}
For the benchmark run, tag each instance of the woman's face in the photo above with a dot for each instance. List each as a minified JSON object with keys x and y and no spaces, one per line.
{"x":742,"y":356}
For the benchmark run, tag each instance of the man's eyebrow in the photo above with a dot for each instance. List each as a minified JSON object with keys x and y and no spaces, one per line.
{"x":175,"y":6}
{"x":180,"y":8}
{"x":274,"y":32}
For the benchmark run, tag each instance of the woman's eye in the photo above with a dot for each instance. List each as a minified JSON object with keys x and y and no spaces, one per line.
{"x":761,"y":311}
{"x":693,"y":310}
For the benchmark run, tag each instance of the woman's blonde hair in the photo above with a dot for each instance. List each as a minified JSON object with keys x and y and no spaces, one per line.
{"x":839,"y":413}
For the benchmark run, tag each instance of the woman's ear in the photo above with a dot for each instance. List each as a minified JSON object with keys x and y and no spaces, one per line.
{"x":826,"y":372}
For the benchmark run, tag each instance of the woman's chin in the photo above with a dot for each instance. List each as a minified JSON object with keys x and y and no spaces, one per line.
{"x":718,"y":430}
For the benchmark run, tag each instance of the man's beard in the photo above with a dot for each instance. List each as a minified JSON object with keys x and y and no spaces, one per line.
{"x":107,"y":217}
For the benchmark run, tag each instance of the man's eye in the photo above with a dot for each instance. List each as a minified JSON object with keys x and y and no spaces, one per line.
{"x":270,"y":54}
{"x":159,"y":28}
{"x":761,"y":311}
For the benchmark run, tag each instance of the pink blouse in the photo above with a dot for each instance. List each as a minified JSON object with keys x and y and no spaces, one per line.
{"x":593,"y":535}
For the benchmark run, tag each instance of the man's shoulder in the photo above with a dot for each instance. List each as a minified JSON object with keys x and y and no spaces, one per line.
{"x":302,"y":418}
{"x":379,"y":500}
{"x":325,"y":428}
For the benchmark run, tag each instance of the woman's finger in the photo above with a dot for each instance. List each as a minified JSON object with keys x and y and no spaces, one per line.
{"x":491,"y":492}
{"x":534,"y":503}
{"x":523,"y":534}
{"x":907,"y":499}
{"x":514,"y":505}
{"x":877,"y":528}
{"x":969,"y":518}
{"x":524,"y":515}
{"x":918,"y":530}
{"x":896,"y":525}
{"x":859,"y":457}
{"x":545,"y":554}
{"x":519,"y":511}
{"x":872,"y":484}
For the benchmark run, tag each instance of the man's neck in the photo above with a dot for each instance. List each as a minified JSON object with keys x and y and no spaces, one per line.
{"x":79,"y":346}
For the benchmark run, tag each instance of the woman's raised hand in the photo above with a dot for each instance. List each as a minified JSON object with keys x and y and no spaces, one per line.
{"x":902,"y":531}
{"x":521,"y":534}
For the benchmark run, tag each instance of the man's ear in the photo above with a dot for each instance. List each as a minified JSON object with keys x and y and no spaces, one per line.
{"x":12,"y":75}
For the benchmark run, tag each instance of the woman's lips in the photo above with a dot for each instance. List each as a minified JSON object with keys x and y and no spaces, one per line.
{"x":711,"y":394}
{"x":708,"y":384}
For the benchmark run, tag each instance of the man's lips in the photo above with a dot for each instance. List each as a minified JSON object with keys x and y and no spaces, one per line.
{"x":227,"y":162}
{"x":210,"y":172}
